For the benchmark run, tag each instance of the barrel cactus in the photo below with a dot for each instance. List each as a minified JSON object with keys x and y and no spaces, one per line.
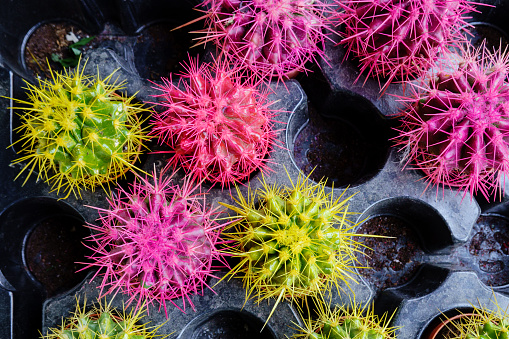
{"x":218,"y":127}
{"x":347,"y":322}
{"x":481,"y":323}
{"x":292,"y":242}
{"x":456,"y":124}
{"x":78,"y":132}
{"x":156,"y":242}
{"x":400,"y":39}
{"x":101,"y":322}
{"x":272,"y":38}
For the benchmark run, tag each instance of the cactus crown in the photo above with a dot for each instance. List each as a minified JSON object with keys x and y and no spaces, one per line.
{"x":101,"y":322}
{"x":156,"y":242}
{"x":218,"y":126}
{"x":482,"y":324}
{"x":292,"y":241}
{"x":77,"y":132}
{"x":345,"y":322}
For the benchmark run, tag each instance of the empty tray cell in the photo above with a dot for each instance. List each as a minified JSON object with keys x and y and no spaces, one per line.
{"x":41,"y":265}
{"x":489,"y":248}
{"x":494,"y":36}
{"x":227,"y":324}
{"x":409,"y":228}
{"x":344,"y":140}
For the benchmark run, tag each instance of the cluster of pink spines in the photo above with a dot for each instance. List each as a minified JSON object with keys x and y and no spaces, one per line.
{"x":401,"y":39}
{"x":270,"y":37}
{"x":156,"y":243}
{"x":456,"y":127}
{"x":219,"y":129}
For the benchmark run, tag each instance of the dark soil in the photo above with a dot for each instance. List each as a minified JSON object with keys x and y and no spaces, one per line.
{"x":490,"y":248}
{"x":391,"y":261}
{"x":331,"y":149}
{"x":52,"y":250}
{"x":44,"y":41}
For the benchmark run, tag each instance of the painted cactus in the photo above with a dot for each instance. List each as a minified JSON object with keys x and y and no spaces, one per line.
{"x":292,"y":242}
{"x":401,"y":39}
{"x":78,"y":132}
{"x":101,"y":322}
{"x":272,"y":38}
{"x":218,"y":127}
{"x":156,"y":242}
{"x":456,"y":124}
{"x":344,"y":322}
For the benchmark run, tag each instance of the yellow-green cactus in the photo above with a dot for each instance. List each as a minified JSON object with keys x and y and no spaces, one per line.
{"x":78,"y":132}
{"x":292,"y":241}
{"x":355,"y":322}
{"x":102,"y":322}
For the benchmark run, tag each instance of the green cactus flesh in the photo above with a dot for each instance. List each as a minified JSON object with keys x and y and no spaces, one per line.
{"x":293,"y":242}
{"x":349,"y":328}
{"x":101,"y":323}
{"x":491,"y":330}
{"x":77,"y":132}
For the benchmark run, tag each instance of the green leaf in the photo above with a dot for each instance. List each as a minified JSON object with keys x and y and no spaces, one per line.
{"x":82,"y":42}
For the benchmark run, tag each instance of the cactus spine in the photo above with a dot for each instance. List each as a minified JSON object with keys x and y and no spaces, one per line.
{"x":292,"y":241}
{"x":78,"y":132}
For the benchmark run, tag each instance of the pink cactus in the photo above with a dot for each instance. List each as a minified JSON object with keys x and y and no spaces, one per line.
{"x":219,"y":129}
{"x":270,"y":37}
{"x":156,"y":242}
{"x":456,"y":126}
{"x":400,"y":39}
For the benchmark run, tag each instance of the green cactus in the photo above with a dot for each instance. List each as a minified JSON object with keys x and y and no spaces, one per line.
{"x":481,"y":324}
{"x":102,"y":322}
{"x":355,"y":322}
{"x":78,"y":132}
{"x":292,"y":241}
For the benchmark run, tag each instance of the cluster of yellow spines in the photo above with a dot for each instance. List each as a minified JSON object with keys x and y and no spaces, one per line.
{"x":78,"y":132}
{"x":292,"y":241}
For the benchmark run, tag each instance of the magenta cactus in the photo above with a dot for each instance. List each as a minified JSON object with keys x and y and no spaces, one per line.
{"x":456,"y":126}
{"x":272,"y":38}
{"x":156,"y":242}
{"x":401,"y":39}
{"x":219,"y":128}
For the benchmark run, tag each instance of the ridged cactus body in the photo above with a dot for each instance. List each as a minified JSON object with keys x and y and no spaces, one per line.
{"x":456,"y":125}
{"x":218,"y":126}
{"x":156,"y":242}
{"x":292,"y":241}
{"x":101,"y":322}
{"x":78,"y":132}
{"x":400,"y":39}
{"x":272,"y":38}
{"x":355,"y":322}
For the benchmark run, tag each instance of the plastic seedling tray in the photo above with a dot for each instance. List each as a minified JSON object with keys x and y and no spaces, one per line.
{"x":448,"y":250}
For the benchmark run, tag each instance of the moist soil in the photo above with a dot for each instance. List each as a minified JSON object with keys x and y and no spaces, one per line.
{"x":489,"y":247}
{"x":389,"y":262}
{"x":52,"y":251}
{"x":48,"y":39}
{"x":331,"y":149}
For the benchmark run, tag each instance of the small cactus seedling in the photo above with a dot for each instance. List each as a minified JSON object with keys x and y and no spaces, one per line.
{"x":156,"y":242}
{"x":400,"y":39}
{"x":270,"y":37}
{"x":101,"y":322}
{"x":292,"y":241}
{"x":456,"y":124}
{"x":481,"y":323}
{"x":219,"y":128}
{"x":78,"y":132}
{"x":355,"y":322}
